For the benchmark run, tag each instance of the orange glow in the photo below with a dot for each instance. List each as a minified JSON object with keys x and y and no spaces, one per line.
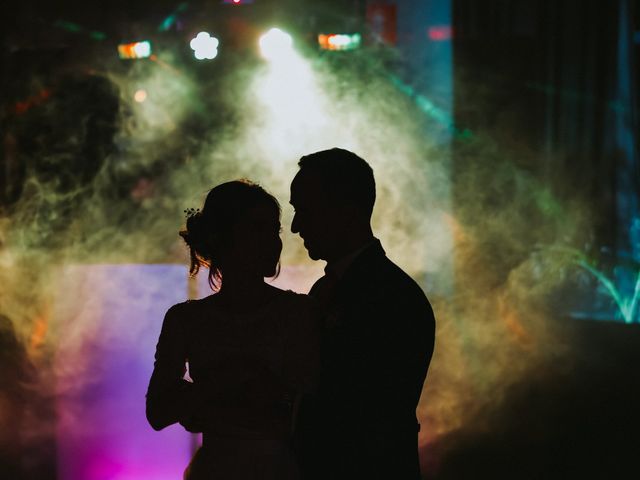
{"x":513,"y":323}
{"x":39,"y":332}
{"x":165,"y":65}
{"x":459,"y":234}
{"x":39,"y":98}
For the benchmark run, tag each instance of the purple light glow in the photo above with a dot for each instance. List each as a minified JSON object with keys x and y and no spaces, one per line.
{"x":107,"y":320}
{"x":105,"y":364}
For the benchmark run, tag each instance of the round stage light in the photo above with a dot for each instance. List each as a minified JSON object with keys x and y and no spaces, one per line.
{"x":275,"y":43}
{"x":204,"y":46}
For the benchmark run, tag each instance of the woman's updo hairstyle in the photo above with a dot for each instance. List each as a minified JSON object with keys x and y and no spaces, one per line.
{"x":208,"y":231}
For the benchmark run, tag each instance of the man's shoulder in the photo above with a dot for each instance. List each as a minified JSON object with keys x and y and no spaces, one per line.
{"x":378,"y":274}
{"x":376,"y":264}
{"x":398,"y":280}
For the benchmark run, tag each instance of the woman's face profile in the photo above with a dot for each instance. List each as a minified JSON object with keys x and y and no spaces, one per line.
{"x":255,"y":241}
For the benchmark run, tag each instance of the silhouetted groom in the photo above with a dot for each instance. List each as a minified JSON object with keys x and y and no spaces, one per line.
{"x":377,"y":335}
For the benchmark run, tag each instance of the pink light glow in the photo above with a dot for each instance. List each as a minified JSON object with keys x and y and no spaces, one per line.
{"x":439,"y":33}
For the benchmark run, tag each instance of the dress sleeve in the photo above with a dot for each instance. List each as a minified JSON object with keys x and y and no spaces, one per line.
{"x":169,"y":397}
{"x":302,"y":363}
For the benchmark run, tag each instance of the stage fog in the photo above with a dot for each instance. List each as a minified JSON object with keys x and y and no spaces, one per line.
{"x":530,"y":258}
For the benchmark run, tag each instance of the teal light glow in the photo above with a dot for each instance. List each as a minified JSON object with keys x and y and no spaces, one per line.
{"x":171,"y":19}
{"x":622,"y":284}
{"x":429,"y":108}
{"x":76,"y":28}
{"x":627,"y":304}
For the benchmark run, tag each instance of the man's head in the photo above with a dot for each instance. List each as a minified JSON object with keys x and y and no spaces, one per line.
{"x":333,"y":195}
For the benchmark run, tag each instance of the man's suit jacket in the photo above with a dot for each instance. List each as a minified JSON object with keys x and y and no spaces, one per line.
{"x":377,"y":342}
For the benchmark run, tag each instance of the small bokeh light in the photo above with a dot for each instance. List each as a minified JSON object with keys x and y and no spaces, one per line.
{"x":134,"y":50}
{"x":275,"y":44}
{"x":204,"y":46}
{"x":339,"y":41}
{"x":140,"y":95}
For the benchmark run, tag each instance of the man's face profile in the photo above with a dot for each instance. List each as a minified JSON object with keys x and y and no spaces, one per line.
{"x":315,"y":215}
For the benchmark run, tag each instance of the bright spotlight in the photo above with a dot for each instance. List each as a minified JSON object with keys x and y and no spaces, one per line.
{"x":204,"y":46}
{"x":275,"y":43}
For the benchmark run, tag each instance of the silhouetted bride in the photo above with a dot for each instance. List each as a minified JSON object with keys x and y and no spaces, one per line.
{"x":251,"y":348}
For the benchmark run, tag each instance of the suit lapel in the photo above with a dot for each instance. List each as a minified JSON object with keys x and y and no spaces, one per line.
{"x":361,"y":268}
{"x":334,"y":296}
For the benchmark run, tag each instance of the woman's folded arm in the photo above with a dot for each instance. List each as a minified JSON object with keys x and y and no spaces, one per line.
{"x":169,"y":396}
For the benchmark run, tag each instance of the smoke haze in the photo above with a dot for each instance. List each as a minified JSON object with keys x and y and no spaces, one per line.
{"x":106,"y":179}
